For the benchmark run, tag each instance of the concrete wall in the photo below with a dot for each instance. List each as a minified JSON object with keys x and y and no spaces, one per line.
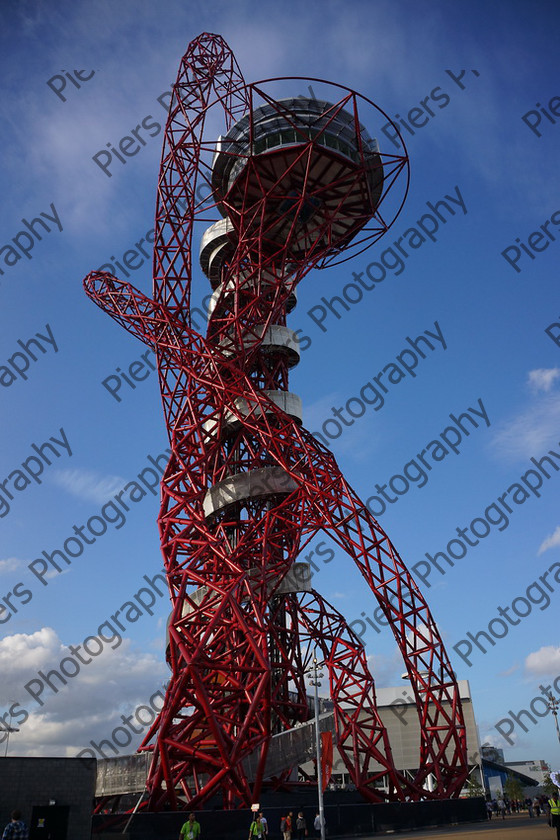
{"x":28,"y":782}
{"x":400,"y":717}
{"x":401,"y":720}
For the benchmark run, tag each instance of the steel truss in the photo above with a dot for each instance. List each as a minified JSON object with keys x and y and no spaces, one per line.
{"x":247,"y":487}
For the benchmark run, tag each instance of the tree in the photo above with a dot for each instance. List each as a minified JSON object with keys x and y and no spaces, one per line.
{"x":513,"y":788}
{"x":474,"y":788}
{"x":549,"y":786}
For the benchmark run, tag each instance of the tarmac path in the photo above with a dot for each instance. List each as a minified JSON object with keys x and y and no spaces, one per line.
{"x":514,"y":827}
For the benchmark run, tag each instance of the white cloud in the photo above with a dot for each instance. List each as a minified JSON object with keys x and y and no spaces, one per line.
{"x":497,"y":740}
{"x":88,"y":485}
{"x":545,"y":660}
{"x":91,"y":703}
{"x":542,"y":379}
{"x":550,"y":542}
{"x":21,"y":653}
{"x":530,"y":432}
{"x":10,"y":564}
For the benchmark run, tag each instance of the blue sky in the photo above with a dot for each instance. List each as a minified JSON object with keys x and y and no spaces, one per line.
{"x":470,"y":143}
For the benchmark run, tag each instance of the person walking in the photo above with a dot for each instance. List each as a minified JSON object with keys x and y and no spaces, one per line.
{"x":537,"y":806}
{"x":502,"y":807}
{"x":554,"y":805}
{"x":16,"y":828}
{"x":190,"y":830}
{"x":264,"y":823}
{"x":301,"y":826}
{"x":317,"y":826}
{"x":286,"y":826}
{"x":256,"y":830}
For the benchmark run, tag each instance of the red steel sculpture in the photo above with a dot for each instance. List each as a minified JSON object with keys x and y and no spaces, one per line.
{"x":294,"y":184}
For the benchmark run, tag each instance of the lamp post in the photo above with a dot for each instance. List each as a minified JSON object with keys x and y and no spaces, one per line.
{"x":315,"y":683}
{"x":553,"y":705}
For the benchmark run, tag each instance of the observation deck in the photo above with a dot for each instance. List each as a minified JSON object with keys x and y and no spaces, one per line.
{"x":304,"y":171}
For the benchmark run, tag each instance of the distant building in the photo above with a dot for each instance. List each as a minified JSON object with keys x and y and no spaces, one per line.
{"x":493,"y":754}
{"x":496,"y":775}
{"x":397,"y":710}
{"x":534,"y":769}
{"x":497,"y":769}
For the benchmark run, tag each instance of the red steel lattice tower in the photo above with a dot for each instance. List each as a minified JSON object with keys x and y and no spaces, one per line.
{"x":293,"y":184}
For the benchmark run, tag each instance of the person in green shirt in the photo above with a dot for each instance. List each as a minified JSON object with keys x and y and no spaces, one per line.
{"x":190,"y":830}
{"x":256,"y":829}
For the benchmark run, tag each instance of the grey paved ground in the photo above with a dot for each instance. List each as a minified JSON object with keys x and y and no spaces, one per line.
{"x":514,"y":827}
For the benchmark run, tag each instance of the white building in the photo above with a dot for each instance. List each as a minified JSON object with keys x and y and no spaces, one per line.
{"x":535,"y":769}
{"x":398,"y":712}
